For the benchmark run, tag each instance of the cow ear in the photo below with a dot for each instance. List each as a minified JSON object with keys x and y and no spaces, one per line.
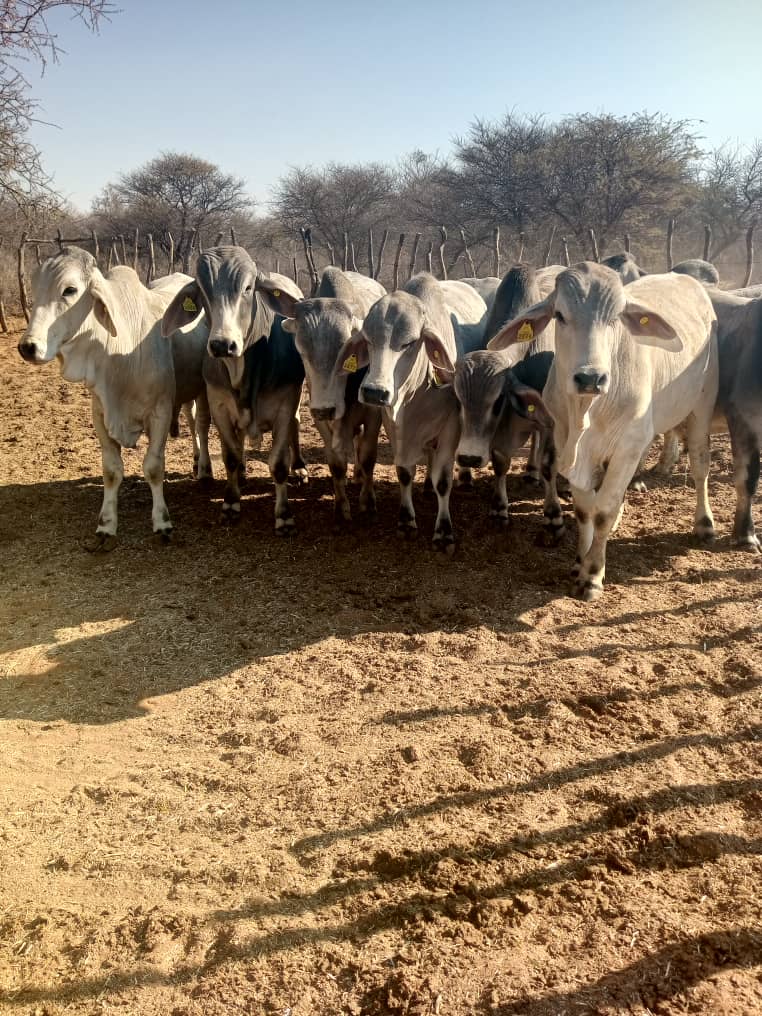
{"x":437,"y":354}
{"x":525,"y":327}
{"x":528,"y":403}
{"x":288,"y":324}
{"x":353,"y":355}
{"x":103,"y":303}
{"x":185,"y":307}
{"x":650,"y":328}
{"x":275,"y":296}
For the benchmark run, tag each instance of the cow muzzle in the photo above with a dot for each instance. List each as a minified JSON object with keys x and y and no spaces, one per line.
{"x":30,"y":352}
{"x":373,"y":396}
{"x":324,"y":412}
{"x":470,"y":461}
{"x":223,"y":347}
{"x":591,"y":382}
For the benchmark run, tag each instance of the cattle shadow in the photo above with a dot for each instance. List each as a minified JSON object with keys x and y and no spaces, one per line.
{"x":157,"y":619}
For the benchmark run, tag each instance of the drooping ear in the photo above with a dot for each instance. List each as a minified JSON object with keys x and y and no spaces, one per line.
{"x":526,"y":326}
{"x":437,"y":354}
{"x":104,"y":306}
{"x":184,"y":308}
{"x":353,"y":355}
{"x":276,"y":297}
{"x":650,"y":328}
{"x":528,"y":403}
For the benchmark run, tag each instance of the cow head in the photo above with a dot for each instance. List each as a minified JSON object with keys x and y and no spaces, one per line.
{"x":70,"y":299}
{"x":589,"y":305}
{"x":490,"y":395}
{"x":397,"y":342}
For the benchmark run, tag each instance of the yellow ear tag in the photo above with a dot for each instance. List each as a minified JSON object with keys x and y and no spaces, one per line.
{"x":437,"y":358}
{"x":350,"y":364}
{"x":276,"y":293}
{"x":525,"y":333}
{"x":644,"y":320}
{"x":530,"y":409}
{"x":189,"y":305}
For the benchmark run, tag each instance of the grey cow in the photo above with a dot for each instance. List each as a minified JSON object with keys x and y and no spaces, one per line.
{"x":501,"y":406}
{"x":321,"y":327}
{"x":106,"y":332}
{"x":253,"y":373}
{"x":409,"y":342}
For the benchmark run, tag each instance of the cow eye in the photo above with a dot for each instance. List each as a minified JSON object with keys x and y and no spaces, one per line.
{"x":559,"y":317}
{"x":247,"y":290}
{"x":70,"y":291}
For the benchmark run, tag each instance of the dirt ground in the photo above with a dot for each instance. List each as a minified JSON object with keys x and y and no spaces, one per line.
{"x":342,"y":774}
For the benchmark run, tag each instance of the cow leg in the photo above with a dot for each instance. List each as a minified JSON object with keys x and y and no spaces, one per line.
{"x":232,"y":441}
{"x":282,"y":450}
{"x":499,"y":510}
{"x":699,"y":457}
{"x":367,"y":451}
{"x":442,"y":467}
{"x":745,"y":446}
{"x":553,"y":516}
{"x":597,"y":514}
{"x":113,"y":473}
{"x":338,"y":467}
{"x":533,"y":469}
{"x":406,"y":524}
{"x":298,"y":465}
{"x":189,"y":412}
{"x":153,"y":468}
{"x":203,"y":423}
{"x":670,"y":454}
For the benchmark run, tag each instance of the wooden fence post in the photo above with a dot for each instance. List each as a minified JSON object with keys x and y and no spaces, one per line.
{"x":22,"y":277}
{"x":353,"y":262}
{"x":429,"y":255}
{"x":306,"y":234}
{"x":233,"y":237}
{"x":381,"y":249}
{"x":295,"y":269}
{"x":136,"y":249}
{"x":594,"y":245}
{"x":37,"y":255}
{"x":188,"y":252}
{"x":277,"y":265}
{"x":397,"y":256}
{"x":3,"y":319}
{"x":345,"y":259}
{"x":627,"y":243}
{"x":218,"y":238}
{"x":413,"y":255}
{"x":170,"y":253}
{"x":467,"y":254}
{"x":151,"y":272}
{"x":549,"y":246}
{"x":496,"y":251}
{"x":670,"y":234}
{"x":565,"y":251}
{"x":522,"y":239}
{"x":331,"y":254}
{"x":371,"y":267}
{"x":442,"y":265}
{"x":749,"y":254}
{"x":707,"y":241}
{"x":123,"y":245}
{"x":96,"y":245}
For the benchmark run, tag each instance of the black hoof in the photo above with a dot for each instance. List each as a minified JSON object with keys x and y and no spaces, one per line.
{"x":101,"y":543}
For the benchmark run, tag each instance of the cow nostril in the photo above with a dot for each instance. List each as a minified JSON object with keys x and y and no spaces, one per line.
{"x":375,"y":396}
{"x":222,"y":347}
{"x":470,"y":461}
{"x":27,"y":350}
{"x":590,"y":380}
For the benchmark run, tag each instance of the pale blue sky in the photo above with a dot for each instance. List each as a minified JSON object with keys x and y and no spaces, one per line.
{"x":258,"y":87}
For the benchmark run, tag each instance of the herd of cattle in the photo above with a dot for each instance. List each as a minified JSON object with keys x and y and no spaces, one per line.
{"x":588,"y":363}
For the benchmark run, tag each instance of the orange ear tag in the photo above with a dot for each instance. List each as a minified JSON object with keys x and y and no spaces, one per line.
{"x":350,"y":364}
{"x":525,"y":333}
{"x":644,"y":320}
{"x":189,"y":306}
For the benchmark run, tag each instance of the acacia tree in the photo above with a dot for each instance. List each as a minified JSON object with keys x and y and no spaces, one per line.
{"x":730,"y":193}
{"x":175,"y":191}
{"x":26,"y":36}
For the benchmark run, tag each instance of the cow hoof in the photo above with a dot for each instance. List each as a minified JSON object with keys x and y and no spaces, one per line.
{"x":531,"y":480}
{"x":444,"y":542}
{"x":748,"y":543}
{"x":549,"y":536}
{"x":406,"y":531}
{"x":300,"y":477}
{"x":101,"y":543}
{"x":588,"y":591}
{"x":231,"y":513}
{"x":285,"y":526}
{"x":165,"y":535}
{"x":639,"y":487}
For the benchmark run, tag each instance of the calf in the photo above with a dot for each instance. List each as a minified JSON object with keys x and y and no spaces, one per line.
{"x":106,"y":332}
{"x":321,"y":327}
{"x":630,"y":362}
{"x":408,"y":340}
{"x":253,"y":373}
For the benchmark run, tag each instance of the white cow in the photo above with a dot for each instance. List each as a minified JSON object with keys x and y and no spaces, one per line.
{"x":630,"y":362}
{"x":106,"y":332}
{"x":409,"y":340}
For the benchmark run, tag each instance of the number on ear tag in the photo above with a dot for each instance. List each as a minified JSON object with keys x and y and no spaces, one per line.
{"x":525,"y":333}
{"x":350,"y":364}
{"x":189,"y":306}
